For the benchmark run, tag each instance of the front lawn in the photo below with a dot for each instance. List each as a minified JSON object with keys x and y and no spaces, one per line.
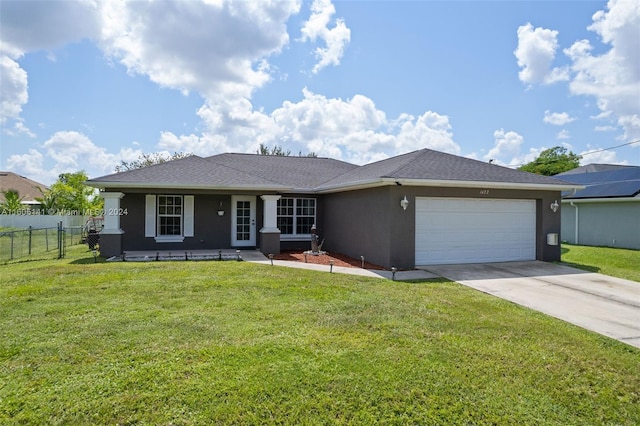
{"x":616,"y":262}
{"x":186,"y":343}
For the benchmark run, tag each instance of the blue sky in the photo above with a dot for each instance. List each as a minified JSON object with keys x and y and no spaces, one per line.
{"x":86,"y":84}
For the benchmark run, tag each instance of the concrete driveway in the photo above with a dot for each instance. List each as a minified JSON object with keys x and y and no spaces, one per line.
{"x":606,"y":305}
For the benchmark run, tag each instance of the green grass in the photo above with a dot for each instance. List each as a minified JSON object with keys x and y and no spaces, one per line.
{"x":616,"y":262}
{"x":15,"y":243}
{"x":186,"y":343}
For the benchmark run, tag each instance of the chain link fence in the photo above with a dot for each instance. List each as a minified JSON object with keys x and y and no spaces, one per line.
{"x":38,"y":243}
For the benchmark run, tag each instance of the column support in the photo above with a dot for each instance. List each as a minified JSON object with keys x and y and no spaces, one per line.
{"x":270,"y":234}
{"x":112,"y":212}
{"x":111,"y":234}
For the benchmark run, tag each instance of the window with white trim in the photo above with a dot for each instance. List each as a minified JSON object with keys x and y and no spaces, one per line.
{"x":170,"y":215}
{"x":296,"y":216}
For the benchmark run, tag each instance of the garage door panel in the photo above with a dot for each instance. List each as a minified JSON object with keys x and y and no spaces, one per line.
{"x":457,"y":230}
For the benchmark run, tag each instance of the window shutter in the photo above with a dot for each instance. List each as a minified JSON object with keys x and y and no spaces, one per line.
{"x":188,"y":215}
{"x":150,"y":216}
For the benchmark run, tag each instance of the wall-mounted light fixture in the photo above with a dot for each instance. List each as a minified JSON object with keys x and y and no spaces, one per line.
{"x":404,"y":203}
{"x":554,"y":206}
{"x":220,"y":210}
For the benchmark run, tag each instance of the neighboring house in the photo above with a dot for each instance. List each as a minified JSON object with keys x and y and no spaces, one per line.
{"x":27,"y":189}
{"x":607,"y":211}
{"x":420,"y":208}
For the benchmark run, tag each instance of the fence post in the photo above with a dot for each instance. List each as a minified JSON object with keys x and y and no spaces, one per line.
{"x":46,"y":238}
{"x":30,"y":233}
{"x":60,"y":240}
{"x":12,"y":235}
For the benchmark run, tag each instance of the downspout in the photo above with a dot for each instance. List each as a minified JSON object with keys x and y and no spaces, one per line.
{"x":576,"y":231}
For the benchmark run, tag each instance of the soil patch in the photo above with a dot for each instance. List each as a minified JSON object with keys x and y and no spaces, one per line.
{"x":323,"y":259}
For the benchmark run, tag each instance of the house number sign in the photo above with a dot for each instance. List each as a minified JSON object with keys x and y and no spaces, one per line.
{"x":484,"y":192}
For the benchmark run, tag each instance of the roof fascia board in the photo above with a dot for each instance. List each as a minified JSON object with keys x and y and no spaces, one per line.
{"x":446,"y":183}
{"x":103,"y":185}
{"x":363,"y":184}
{"x":600,"y":200}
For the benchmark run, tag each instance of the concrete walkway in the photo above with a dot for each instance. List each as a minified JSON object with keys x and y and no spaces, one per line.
{"x":258,"y":257}
{"x":606,"y":305}
{"x":255,"y":256}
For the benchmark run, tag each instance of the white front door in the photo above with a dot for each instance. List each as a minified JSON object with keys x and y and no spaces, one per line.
{"x":243,"y":220}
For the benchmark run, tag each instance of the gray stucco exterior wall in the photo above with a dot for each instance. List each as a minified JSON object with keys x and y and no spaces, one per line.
{"x":210,"y":230}
{"x":379,"y":229}
{"x":367,"y":222}
{"x":609,"y":224}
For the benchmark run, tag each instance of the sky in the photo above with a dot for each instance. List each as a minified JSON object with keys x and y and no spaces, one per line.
{"x":87,"y":84}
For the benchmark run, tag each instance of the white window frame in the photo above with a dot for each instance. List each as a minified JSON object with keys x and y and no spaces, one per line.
{"x":153,"y":215}
{"x":180,"y":216}
{"x":295,"y":216}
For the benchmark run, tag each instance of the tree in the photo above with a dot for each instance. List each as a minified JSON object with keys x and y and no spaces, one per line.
{"x":553,"y":161}
{"x":276,"y":150}
{"x":12,"y":201}
{"x":145,"y":160}
{"x":47,"y":201}
{"x":70,"y":193}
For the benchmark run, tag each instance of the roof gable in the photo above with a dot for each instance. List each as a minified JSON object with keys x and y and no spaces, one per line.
{"x":430,"y":165}
{"x":27,"y":188}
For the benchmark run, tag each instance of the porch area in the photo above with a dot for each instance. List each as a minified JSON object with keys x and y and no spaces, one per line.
{"x":187,"y":255}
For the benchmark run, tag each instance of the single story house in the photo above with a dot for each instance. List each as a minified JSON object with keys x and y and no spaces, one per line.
{"x":424,"y":207}
{"x":607,"y":211}
{"x":28,"y":189}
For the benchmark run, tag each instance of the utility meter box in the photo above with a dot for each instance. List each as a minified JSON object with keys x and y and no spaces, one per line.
{"x":552,"y":239}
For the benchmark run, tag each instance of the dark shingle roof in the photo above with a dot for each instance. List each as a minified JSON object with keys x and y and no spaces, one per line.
{"x":277,"y":173}
{"x":191,"y":171}
{"x":294,"y":172}
{"x":620,"y":182}
{"x":432,"y":165}
{"x":311,"y":174}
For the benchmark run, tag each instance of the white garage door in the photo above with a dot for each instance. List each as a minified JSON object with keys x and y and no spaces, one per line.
{"x":463,"y":230}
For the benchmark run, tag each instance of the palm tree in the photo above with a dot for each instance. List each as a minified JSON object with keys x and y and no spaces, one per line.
{"x":12,"y":201}
{"x":48,"y":201}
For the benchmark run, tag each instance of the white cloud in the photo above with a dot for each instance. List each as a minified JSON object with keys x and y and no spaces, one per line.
{"x":48,"y":24}
{"x":595,"y":156}
{"x":31,"y":164}
{"x":221,"y":50}
{"x":13,"y":88}
{"x":317,"y":116}
{"x":204,"y":145}
{"x":317,"y":27}
{"x":355,"y":130}
{"x":614,"y":76}
{"x":605,"y":128}
{"x":352,"y":129}
{"x":215,"y":48}
{"x":563,"y":134}
{"x":27,"y":28}
{"x":557,"y":118}
{"x":535,"y":53}
{"x":506,"y":144}
{"x":68,"y":151}
{"x":18,"y":129}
